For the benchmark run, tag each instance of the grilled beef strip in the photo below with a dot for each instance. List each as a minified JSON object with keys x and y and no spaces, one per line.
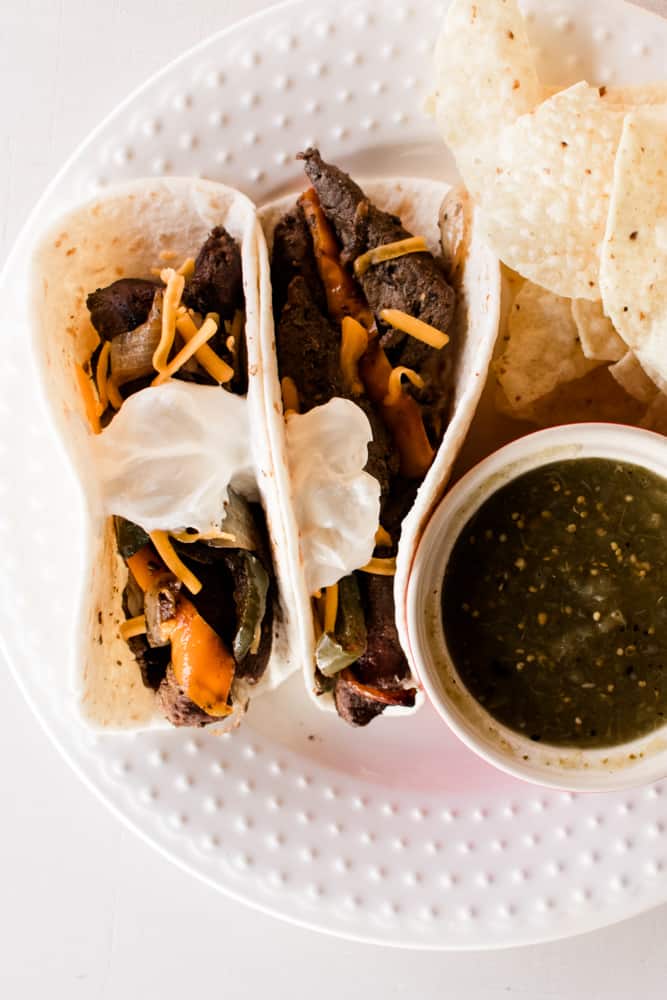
{"x":353,"y":705}
{"x":217,"y":286}
{"x":121,"y":306}
{"x":178,"y":708}
{"x":308,"y":348}
{"x":414,"y":283}
{"x":359,"y":705}
{"x":291,"y":256}
{"x":383,"y":665}
{"x":217,"y":283}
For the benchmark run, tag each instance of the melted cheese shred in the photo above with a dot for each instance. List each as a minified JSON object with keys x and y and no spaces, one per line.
{"x":290,"y":395}
{"x":354,"y":341}
{"x":330,"y":608}
{"x":207,"y":330}
{"x":175,"y":283}
{"x":380,"y":567}
{"x":167,"y":553}
{"x":389,"y":251}
{"x":102,"y":376}
{"x":114,"y":395}
{"x":133,"y":627}
{"x":395,"y":387}
{"x":383,"y":538}
{"x":415,"y":328}
{"x":187,"y":268}
{"x":90,"y":401}
{"x":207,"y":358}
{"x":190,"y":537}
{"x":236,"y":329}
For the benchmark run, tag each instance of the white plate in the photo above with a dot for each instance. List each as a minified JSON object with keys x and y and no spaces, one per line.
{"x":395,"y":834}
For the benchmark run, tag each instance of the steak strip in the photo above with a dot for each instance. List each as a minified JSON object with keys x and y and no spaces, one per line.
{"x":414,"y":284}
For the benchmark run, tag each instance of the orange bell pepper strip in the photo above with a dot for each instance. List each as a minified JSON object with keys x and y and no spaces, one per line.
{"x":403,"y":418}
{"x":343,"y":296}
{"x":202,"y":664}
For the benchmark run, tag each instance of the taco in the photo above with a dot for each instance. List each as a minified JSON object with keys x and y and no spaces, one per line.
{"x":145,"y":333}
{"x":384,"y":302}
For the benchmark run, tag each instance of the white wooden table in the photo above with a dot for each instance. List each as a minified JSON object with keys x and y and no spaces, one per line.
{"x":86,"y":909}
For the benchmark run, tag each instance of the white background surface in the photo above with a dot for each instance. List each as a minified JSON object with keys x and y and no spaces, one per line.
{"x":86,"y":909}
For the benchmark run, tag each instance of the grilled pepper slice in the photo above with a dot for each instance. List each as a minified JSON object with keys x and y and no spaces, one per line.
{"x":342,"y":647}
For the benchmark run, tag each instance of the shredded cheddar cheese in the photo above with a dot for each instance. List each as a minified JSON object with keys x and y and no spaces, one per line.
{"x":290,"y":395}
{"x":383,"y":538}
{"x":165,"y":550}
{"x":175,"y":283}
{"x":90,"y":401}
{"x":380,"y":567}
{"x":208,"y":328}
{"x":207,"y":358}
{"x":395,"y":387}
{"x":415,"y":328}
{"x":317,"y":621}
{"x":187,"y":268}
{"x":102,"y":375}
{"x":389,"y":251}
{"x":330,"y":608}
{"x":189,"y":537}
{"x":114,"y":395}
{"x":318,"y":603}
{"x":354,"y":341}
{"x":133,"y":627}
{"x":236,"y":328}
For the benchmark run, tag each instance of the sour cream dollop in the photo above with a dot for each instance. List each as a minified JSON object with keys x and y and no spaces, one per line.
{"x":337,"y":504}
{"x":170,"y":454}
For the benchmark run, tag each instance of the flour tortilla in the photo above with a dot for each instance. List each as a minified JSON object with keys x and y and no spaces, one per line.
{"x":123,"y":233}
{"x":417,"y":202}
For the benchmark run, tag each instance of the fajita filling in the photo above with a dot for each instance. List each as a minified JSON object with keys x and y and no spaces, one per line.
{"x":199,"y":604}
{"x":362,"y":312}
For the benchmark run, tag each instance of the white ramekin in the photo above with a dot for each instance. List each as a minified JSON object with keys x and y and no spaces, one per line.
{"x":641,"y":761}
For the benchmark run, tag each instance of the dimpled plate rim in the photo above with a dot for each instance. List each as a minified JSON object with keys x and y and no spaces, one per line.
{"x":334,"y":842}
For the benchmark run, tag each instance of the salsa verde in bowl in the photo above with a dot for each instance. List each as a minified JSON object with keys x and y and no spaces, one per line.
{"x":537,"y":607}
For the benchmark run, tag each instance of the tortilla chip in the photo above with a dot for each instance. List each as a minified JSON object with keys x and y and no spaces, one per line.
{"x":655,"y":418}
{"x":596,"y":396}
{"x":640,"y":95}
{"x":543,"y":189}
{"x":625,"y":98}
{"x":541,"y":347}
{"x":485,"y":72}
{"x":631,"y":376}
{"x":634,"y":257}
{"x":657,"y":377}
{"x":599,"y":340}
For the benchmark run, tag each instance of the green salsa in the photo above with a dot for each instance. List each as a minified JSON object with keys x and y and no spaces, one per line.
{"x":554,"y":603}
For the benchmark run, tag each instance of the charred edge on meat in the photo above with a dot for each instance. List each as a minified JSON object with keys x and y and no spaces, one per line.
{"x":414,"y":284}
{"x":121,"y":306}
